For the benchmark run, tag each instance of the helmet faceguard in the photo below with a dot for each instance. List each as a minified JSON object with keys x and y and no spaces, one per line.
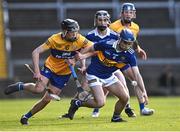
{"x":69,"y":25}
{"x":128,"y":12}
{"x":101,"y":14}
{"x":126,"y":39}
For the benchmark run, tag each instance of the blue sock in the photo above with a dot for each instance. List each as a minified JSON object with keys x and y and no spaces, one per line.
{"x":21,"y":86}
{"x":28,"y":115}
{"x":141,"y":105}
{"x":96,"y":110}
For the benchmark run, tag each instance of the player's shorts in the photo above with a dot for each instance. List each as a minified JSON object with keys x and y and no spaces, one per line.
{"x":94,"y":80}
{"x":58,"y":81}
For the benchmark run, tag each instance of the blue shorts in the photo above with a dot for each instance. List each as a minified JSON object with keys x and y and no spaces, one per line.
{"x":58,"y":81}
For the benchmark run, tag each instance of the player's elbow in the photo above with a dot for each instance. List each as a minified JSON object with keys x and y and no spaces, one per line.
{"x":35,"y":52}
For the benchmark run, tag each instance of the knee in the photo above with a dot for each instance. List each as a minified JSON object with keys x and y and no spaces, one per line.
{"x":125,"y":99}
{"x":100,"y":103}
{"x":39,"y":88}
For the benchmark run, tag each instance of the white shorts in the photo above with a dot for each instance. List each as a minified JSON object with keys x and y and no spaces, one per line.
{"x":94,"y":81}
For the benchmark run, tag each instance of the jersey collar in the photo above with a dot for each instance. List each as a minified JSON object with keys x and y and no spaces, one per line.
{"x":107,"y":33}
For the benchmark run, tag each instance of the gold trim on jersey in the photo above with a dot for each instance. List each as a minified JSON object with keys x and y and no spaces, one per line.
{"x":109,"y":63}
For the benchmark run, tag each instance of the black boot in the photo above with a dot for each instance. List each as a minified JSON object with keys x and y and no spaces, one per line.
{"x":24,"y":120}
{"x":130,"y":112}
{"x":13,"y":88}
{"x":75,"y":104}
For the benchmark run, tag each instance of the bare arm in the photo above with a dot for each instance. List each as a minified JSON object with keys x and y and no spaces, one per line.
{"x":140,"y":83}
{"x":138,"y":78}
{"x":141,"y":53}
{"x":85,"y":53}
{"x":88,"y":49}
{"x":35,"y":58}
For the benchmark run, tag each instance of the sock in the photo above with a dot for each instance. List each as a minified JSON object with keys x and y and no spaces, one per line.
{"x":28,"y":115}
{"x":21,"y":86}
{"x":141,"y":105}
{"x":127,"y":106}
{"x":96,"y":110}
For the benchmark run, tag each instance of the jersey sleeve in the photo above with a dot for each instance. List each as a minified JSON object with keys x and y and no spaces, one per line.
{"x":87,"y":43}
{"x":50,"y":42}
{"x":84,"y":41}
{"x":88,"y":37}
{"x":125,"y":67}
{"x":133,"y":60}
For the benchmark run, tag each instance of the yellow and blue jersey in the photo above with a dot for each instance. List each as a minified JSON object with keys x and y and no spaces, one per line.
{"x":117,"y":26}
{"x":108,"y":60}
{"x":61,"y":50}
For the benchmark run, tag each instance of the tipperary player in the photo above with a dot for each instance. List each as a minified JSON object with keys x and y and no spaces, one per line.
{"x":128,"y":13}
{"x":100,"y":74}
{"x":56,"y":72}
{"x":102,"y":32}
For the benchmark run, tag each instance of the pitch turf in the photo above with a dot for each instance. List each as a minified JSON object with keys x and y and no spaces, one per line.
{"x":166,"y":117}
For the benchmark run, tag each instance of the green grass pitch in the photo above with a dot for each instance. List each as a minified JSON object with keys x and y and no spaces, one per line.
{"x":166,"y":117}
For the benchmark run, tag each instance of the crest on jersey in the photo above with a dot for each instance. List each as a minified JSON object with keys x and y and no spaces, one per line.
{"x":123,"y":58}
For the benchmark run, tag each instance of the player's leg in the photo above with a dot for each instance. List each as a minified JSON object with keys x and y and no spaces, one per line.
{"x":84,"y":83}
{"x":128,"y":110}
{"x":113,"y":85}
{"x":123,"y":97}
{"x":31,"y":87}
{"x":96,"y":111}
{"x":40,"y":104}
{"x":57,"y":82}
{"x":19,"y":86}
{"x":97,"y":102}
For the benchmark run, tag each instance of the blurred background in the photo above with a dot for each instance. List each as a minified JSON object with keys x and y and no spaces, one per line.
{"x":25,"y":24}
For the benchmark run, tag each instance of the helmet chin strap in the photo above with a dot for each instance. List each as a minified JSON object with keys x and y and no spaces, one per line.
{"x":64,"y":34}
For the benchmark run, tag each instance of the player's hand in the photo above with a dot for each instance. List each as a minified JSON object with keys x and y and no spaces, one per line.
{"x":71,"y":61}
{"x":79,"y":56}
{"x":37,"y":76}
{"x":142,"y":54}
{"x":82,"y":70}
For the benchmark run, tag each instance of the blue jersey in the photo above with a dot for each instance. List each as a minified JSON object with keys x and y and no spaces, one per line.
{"x":97,"y":67}
{"x":110,"y":37}
{"x":109,"y":60}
